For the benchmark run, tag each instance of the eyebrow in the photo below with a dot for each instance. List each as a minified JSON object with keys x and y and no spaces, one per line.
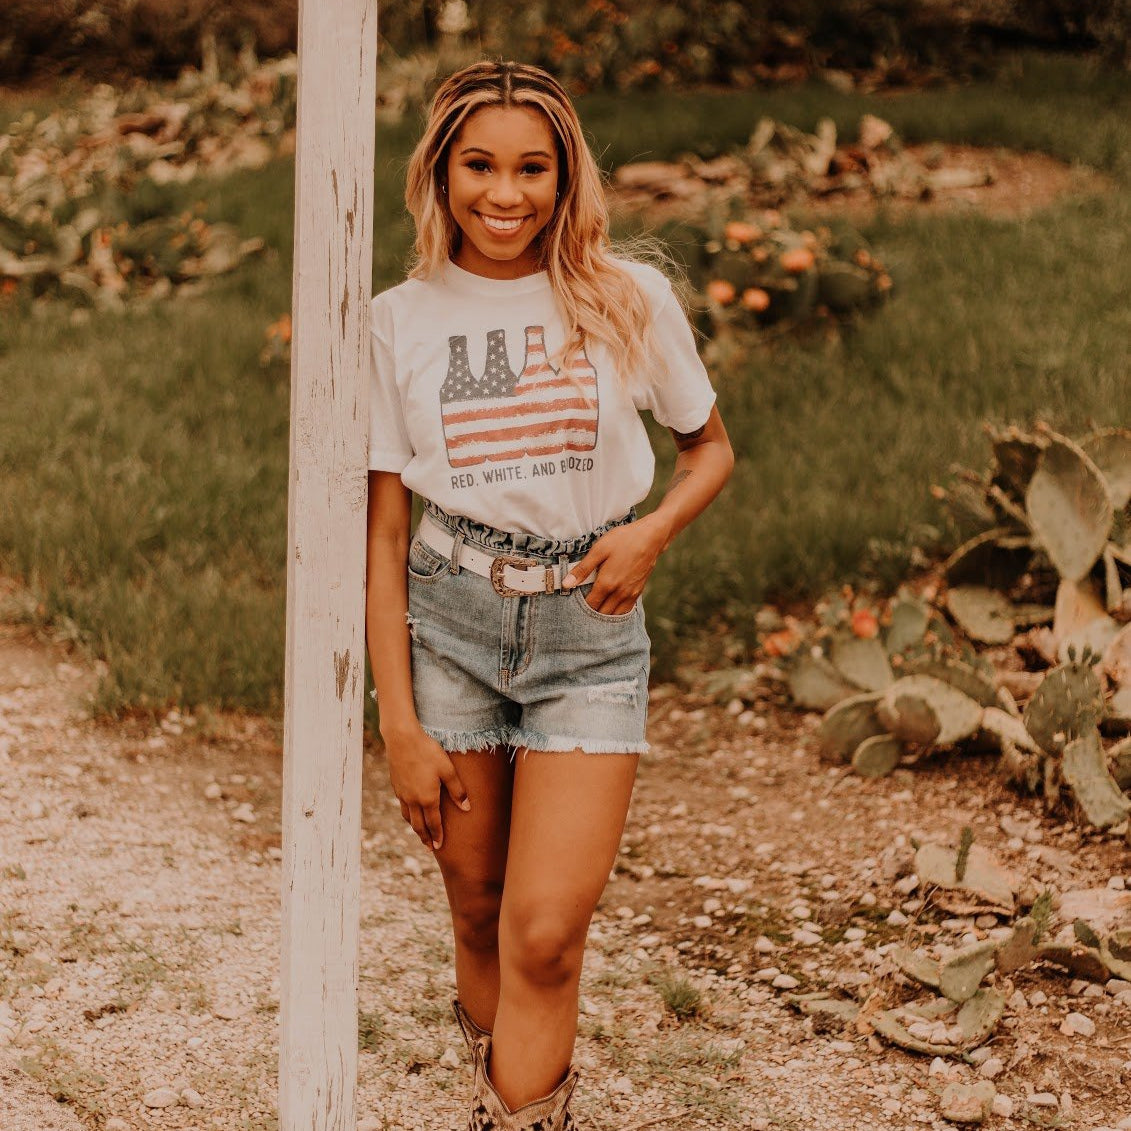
{"x":488,"y":153}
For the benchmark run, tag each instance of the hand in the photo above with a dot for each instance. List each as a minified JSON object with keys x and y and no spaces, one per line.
{"x":418,"y":767}
{"x":626,"y":556}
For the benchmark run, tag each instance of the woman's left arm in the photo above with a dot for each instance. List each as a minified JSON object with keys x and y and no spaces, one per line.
{"x":626,"y":555}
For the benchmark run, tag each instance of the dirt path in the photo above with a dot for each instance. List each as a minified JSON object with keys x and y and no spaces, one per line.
{"x":139,"y":888}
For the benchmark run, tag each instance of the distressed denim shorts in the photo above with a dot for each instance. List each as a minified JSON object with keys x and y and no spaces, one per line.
{"x":542,"y":670}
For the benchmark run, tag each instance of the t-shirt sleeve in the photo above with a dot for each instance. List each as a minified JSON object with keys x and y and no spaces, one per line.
{"x":389,"y":446}
{"x":680,"y":396}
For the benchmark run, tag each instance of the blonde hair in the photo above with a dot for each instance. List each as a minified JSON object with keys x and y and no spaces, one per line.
{"x":598,"y":299}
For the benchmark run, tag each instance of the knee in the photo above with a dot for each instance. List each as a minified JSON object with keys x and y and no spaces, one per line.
{"x":475,"y":914}
{"x":544,"y":948}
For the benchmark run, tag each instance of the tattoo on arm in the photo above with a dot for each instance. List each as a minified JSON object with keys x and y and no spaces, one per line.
{"x":677,"y":479}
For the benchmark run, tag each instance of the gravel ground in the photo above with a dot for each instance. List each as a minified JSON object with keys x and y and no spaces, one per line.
{"x":139,"y":925}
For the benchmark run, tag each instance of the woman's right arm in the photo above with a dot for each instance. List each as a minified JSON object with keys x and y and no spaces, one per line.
{"x":418,"y":765}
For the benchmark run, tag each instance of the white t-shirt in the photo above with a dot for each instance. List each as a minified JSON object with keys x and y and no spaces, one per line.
{"x":465,"y":406}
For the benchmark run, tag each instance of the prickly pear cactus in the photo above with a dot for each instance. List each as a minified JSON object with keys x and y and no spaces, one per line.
{"x":1069,"y":507}
{"x":923,"y":709}
{"x":1095,"y":790}
{"x":1067,"y":704}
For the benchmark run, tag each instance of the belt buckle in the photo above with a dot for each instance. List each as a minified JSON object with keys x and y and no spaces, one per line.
{"x":499,"y":564}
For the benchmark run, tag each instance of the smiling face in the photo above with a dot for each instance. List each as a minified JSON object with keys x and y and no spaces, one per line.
{"x":502,"y":177}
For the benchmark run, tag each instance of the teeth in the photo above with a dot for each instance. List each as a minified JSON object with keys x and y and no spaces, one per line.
{"x":502,"y":225}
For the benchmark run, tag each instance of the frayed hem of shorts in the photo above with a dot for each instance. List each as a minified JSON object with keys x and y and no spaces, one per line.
{"x":515,"y":738}
{"x":453,"y":741}
{"x":559,"y":743}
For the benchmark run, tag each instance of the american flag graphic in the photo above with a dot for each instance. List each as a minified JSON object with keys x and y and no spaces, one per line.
{"x":500,"y":416}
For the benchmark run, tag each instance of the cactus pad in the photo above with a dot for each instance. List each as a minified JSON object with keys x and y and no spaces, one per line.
{"x":961,"y":973}
{"x":1020,"y":948}
{"x":846,"y":725}
{"x":1005,"y":727}
{"x":915,"y":964}
{"x":1069,"y":508}
{"x":910,"y":706}
{"x":983,"y":614}
{"x":966,"y":678}
{"x":1068,"y":702}
{"x":1110,"y":451}
{"x":862,"y":661}
{"x":984,"y":876}
{"x":816,"y":685}
{"x":909,"y":618}
{"x":877,"y":756}
{"x":1086,"y":774}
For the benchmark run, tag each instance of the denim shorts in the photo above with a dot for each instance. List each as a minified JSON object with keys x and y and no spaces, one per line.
{"x":542,"y":671}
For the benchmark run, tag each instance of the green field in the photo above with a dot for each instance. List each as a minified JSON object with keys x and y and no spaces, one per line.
{"x":143,"y":457}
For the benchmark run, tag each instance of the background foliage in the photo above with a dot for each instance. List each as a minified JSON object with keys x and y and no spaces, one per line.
{"x":591,"y":43}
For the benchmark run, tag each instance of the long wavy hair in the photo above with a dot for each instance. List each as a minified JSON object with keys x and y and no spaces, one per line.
{"x":598,"y":299}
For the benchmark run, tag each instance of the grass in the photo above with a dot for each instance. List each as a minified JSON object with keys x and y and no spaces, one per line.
{"x":143,"y":457}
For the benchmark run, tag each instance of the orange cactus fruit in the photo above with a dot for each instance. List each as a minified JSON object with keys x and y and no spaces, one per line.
{"x":741,"y":232}
{"x":780,"y":643}
{"x":863,"y":258}
{"x":797,"y":260}
{"x":810,"y":240}
{"x":721,"y":291}
{"x":883,"y":283}
{"x":756,"y":299}
{"x":865,"y":624}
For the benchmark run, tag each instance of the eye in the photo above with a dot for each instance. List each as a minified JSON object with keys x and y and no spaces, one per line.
{"x":477,"y":164}
{"x":533,"y":168}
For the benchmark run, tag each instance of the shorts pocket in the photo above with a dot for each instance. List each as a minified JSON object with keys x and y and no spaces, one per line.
{"x":579,"y":595}
{"x":424,"y":563}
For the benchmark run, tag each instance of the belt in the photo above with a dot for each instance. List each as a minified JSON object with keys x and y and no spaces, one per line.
{"x":511,"y":575}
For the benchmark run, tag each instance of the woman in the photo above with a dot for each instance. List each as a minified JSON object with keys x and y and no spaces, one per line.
{"x":507,"y":636}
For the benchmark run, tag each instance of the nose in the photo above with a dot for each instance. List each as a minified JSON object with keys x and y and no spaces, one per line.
{"x":504,"y":191}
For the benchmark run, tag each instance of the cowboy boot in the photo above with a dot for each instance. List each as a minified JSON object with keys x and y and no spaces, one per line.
{"x":490,"y":1113}
{"x":471,"y":1031}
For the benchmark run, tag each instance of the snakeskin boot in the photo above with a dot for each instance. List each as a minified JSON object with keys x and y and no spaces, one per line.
{"x":471,"y":1032}
{"x":490,"y":1113}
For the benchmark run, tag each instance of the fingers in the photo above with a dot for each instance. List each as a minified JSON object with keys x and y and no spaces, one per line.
{"x":455,"y":787}
{"x":610,"y":603}
{"x":579,"y":571}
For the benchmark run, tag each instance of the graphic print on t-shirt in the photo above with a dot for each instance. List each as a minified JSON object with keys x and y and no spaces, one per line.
{"x":501,"y":416}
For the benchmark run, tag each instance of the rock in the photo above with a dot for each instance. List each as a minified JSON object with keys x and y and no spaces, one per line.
{"x":449,"y":1058}
{"x":244,"y":812}
{"x":785,"y":982}
{"x":702,"y":921}
{"x":213,"y":791}
{"x":992,"y":1067}
{"x":897,"y":919}
{"x":161,"y":1097}
{"x":115,"y":1124}
{"x":967,"y":1103}
{"x":1043,"y":1099}
{"x":190,"y":1097}
{"x":1077,"y":1025}
{"x":1002,"y":1106}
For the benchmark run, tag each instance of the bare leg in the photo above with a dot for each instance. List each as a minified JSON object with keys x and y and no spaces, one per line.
{"x":473,"y":862}
{"x":568,"y":813}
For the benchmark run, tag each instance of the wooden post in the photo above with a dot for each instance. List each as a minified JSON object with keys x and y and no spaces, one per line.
{"x":325,"y":653}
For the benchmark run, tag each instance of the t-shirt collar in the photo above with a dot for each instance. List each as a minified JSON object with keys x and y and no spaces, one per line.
{"x":471,"y":283}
